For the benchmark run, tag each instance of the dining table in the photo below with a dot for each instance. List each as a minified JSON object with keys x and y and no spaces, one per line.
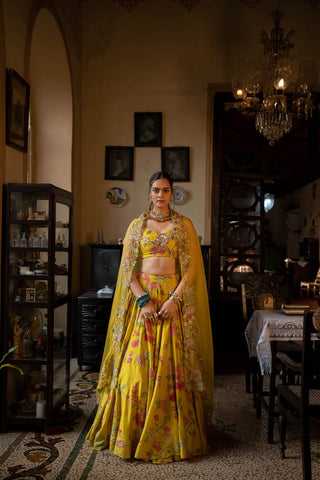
{"x":264,"y":331}
{"x":266,"y":326}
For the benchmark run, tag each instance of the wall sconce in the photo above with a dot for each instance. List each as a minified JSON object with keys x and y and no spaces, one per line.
{"x":268,"y":202}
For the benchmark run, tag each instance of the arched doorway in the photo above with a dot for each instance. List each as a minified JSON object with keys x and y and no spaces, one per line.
{"x":50,"y":158}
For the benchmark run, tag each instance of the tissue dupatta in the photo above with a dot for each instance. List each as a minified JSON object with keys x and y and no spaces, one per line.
{"x":196,"y":323}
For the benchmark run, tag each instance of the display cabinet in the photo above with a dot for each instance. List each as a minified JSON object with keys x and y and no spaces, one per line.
{"x":36,"y":302}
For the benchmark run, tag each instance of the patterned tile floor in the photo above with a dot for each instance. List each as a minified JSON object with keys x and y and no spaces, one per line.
{"x":239,"y":449}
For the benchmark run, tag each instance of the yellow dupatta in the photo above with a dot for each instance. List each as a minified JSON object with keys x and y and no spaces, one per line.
{"x":196,"y":323}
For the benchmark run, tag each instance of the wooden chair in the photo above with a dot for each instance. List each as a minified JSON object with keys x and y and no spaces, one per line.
{"x":311,"y":288}
{"x":250,"y":363}
{"x":263,"y":292}
{"x":303,"y":399}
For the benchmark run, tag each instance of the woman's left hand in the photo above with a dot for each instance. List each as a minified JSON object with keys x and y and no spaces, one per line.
{"x":167,"y":309}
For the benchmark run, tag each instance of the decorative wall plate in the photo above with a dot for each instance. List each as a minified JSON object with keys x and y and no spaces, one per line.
{"x":179,"y":195}
{"x":116,"y":196}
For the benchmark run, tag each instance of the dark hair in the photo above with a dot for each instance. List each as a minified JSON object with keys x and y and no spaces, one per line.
{"x":157,"y":176}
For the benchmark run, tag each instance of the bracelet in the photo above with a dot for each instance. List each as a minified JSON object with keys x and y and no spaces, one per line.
{"x":145,"y":298}
{"x":176,"y":299}
{"x":141,"y":297}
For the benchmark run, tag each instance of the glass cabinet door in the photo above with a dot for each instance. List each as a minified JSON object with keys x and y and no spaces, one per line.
{"x":60,"y":353}
{"x":61,"y":254}
{"x":36,"y":283}
{"x":26,"y":394}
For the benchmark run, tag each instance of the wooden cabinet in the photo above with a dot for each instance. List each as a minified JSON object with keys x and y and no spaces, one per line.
{"x":36,"y":284}
{"x":93,"y":317}
{"x":93,"y":310}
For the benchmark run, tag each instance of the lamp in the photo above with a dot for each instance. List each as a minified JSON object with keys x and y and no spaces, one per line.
{"x":268,"y":202}
{"x":273,"y":115}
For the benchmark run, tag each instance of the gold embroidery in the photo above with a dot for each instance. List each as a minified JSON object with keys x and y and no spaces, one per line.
{"x":191,"y":345}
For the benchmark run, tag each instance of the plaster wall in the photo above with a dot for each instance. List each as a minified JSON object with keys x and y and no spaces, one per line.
{"x":160,"y":57}
{"x":51,"y":105}
{"x":15,"y":27}
{"x":300,"y":212}
{"x":19,"y":18}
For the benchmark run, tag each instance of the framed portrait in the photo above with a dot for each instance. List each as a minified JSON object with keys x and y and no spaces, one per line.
{"x":119,"y":163}
{"x":30,"y":294}
{"x":17,"y":111}
{"x":176,"y":162}
{"x":148,"y":129}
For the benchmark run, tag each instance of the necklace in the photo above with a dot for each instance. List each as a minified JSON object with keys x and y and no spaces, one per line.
{"x":158,"y":217}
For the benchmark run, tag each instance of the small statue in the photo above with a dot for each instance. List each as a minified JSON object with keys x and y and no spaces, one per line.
{"x":59,"y":241}
{"x":17,"y":335}
{"x":44,"y":241}
{"x":40,"y":348}
{"x":63,"y":240}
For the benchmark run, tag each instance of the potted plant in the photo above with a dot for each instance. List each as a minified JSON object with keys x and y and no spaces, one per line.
{"x":9,"y":365}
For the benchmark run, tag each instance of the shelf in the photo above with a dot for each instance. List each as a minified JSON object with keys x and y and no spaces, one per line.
{"x":29,"y":361}
{"x":46,"y":321}
{"x":35,"y":276}
{"x":58,"y":301}
{"x":28,"y":249}
{"x":35,"y":223}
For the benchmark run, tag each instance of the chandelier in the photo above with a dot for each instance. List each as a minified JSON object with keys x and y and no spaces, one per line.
{"x":260,"y":90}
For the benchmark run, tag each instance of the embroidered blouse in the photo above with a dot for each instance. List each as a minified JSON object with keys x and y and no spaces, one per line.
{"x":154,"y":244}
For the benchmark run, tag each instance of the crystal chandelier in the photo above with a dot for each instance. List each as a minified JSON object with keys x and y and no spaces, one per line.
{"x":273,"y":113}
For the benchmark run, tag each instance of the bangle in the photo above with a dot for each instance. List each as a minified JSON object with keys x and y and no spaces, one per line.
{"x":145,"y":300}
{"x":141,"y":297}
{"x":176,"y":299}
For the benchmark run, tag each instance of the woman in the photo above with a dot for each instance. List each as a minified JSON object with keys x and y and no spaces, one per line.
{"x":155,"y":387}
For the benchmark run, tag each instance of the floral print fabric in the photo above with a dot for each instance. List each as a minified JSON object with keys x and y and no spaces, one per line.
{"x":150,"y":415}
{"x":154,"y":244}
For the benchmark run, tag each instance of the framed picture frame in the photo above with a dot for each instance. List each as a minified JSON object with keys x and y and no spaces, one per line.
{"x":119,"y":163}
{"x":148,"y":129}
{"x":176,"y":162}
{"x":30,"y":294}
{"x":17,"y":111}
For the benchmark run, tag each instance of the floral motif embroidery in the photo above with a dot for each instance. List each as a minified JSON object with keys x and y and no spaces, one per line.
{"x":170,"y":424}
{"x":192,"y":361}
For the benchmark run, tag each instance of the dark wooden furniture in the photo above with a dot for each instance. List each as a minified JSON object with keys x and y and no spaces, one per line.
{"x":260,"y":292}
{"x":303,"y":400}
{"x":93,"y":317}
{"x":105,"y":261}
{"x":36,"y":284}
{"x":93,"y":310}
{"x":265,"y":292}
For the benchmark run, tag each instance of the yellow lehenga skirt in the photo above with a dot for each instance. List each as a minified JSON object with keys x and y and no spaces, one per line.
{"x":150,"y":415}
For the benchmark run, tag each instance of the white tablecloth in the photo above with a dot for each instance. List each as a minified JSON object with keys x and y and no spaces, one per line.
{"x":268,"y":325}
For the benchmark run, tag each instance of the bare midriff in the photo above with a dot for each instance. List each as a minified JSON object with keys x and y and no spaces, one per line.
{"x":159,"y":266}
